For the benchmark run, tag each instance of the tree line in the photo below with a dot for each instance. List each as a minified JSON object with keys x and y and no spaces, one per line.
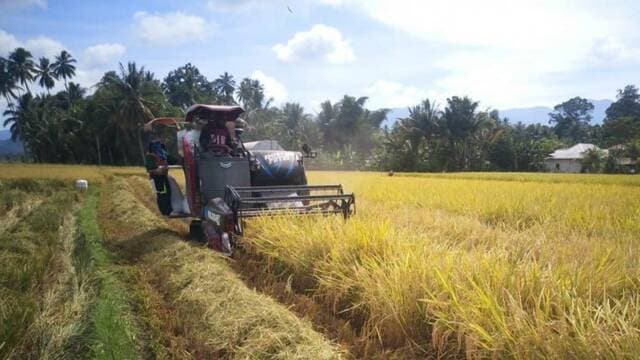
{"x":105,"y":127}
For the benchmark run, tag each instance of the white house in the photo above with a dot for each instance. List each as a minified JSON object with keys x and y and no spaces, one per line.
{"x":568,"y":160}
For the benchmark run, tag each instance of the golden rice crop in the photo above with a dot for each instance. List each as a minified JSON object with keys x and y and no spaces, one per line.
{"x":451,"y":265}
{"x":475,"y":267}
{"x":63,"y":172}
{"x":536,"y":177}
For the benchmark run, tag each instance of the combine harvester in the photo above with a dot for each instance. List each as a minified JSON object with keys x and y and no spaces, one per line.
{"x":257,"y":179}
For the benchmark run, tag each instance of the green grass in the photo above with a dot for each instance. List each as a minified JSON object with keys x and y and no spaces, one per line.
{"x":111,"y":331}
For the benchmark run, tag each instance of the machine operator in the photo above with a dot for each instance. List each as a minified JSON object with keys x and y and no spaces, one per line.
{"x":218,"y":135}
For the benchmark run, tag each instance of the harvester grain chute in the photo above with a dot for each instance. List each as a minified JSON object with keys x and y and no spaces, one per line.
{"x":256,"y":179}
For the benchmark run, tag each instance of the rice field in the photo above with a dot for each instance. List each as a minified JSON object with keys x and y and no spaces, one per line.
{"x":456,"y":266}
{"x":468,"y":266}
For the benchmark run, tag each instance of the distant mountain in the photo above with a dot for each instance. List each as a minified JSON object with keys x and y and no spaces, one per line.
{"x":8,"y":147}
{"x":529,"y":115}
{"x":5,"y":135}
{"x":540,"y":114}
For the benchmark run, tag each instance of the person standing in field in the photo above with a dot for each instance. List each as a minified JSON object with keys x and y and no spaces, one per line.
{"x":168,"y":195}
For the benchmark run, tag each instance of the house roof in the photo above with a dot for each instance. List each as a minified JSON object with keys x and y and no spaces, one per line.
{"x":575,"y":152}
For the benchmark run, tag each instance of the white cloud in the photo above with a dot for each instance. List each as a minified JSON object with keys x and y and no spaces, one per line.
{"x":170,"y":28}
{"x":43,"y":46}
{"x":392,"y":94}
{"x":88,"y":78}
{"x":513,"y":53}
{"x":320,"y":42}
{"x":272,"y":87}
{"x":612,"y":49}
{"x":103,"y":54}
{"x":520,"y":25}
{"x":38,"y":46}
{"x":8,"y":42}
{"x":497,"y":79}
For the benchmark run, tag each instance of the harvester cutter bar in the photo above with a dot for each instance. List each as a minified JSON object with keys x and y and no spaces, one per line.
{"x":246,"y":202}
{"x":284,"y":188}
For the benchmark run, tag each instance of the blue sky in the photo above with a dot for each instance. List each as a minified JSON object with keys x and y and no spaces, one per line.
{"x":502,"y":53}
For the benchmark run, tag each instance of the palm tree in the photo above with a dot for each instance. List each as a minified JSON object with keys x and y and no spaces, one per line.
{"x":251,"y":94}
{"x":295,"y":122}
{"x":21,"y":66}
{"x":245,"y":92}
{"x":294,"y":116}
{"x":63,"y":66}
{"x":257,"y":100}
{"x":185,"y":86}
{"x":131,"y":109}
{"x":326,"y":120}
{"x":18,"y":118}
{"x":463,"y":124}
{"x":7,"y":83}
{"x":422,"y":120}
{"x":225,"y":86}
{"x":44,"y":74}
{"x":75,"y":92}
{"x":421,"y":125}
{"x":52,"y":132}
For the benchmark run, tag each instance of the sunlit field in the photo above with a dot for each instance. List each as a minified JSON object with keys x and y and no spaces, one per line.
{"x":475,"y":265}
{"x":64,"y":172}
{"x":465,"y":265}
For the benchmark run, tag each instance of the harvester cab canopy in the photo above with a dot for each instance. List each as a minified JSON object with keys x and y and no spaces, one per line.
{"x":212,"y":112}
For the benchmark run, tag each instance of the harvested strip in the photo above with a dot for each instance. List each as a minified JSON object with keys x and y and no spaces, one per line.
{"x":40,"y":302}
{"x":145,"y":194}
{"x":220,"y":315}
{"x":13,"y":216}
{"x":64,"y":303}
